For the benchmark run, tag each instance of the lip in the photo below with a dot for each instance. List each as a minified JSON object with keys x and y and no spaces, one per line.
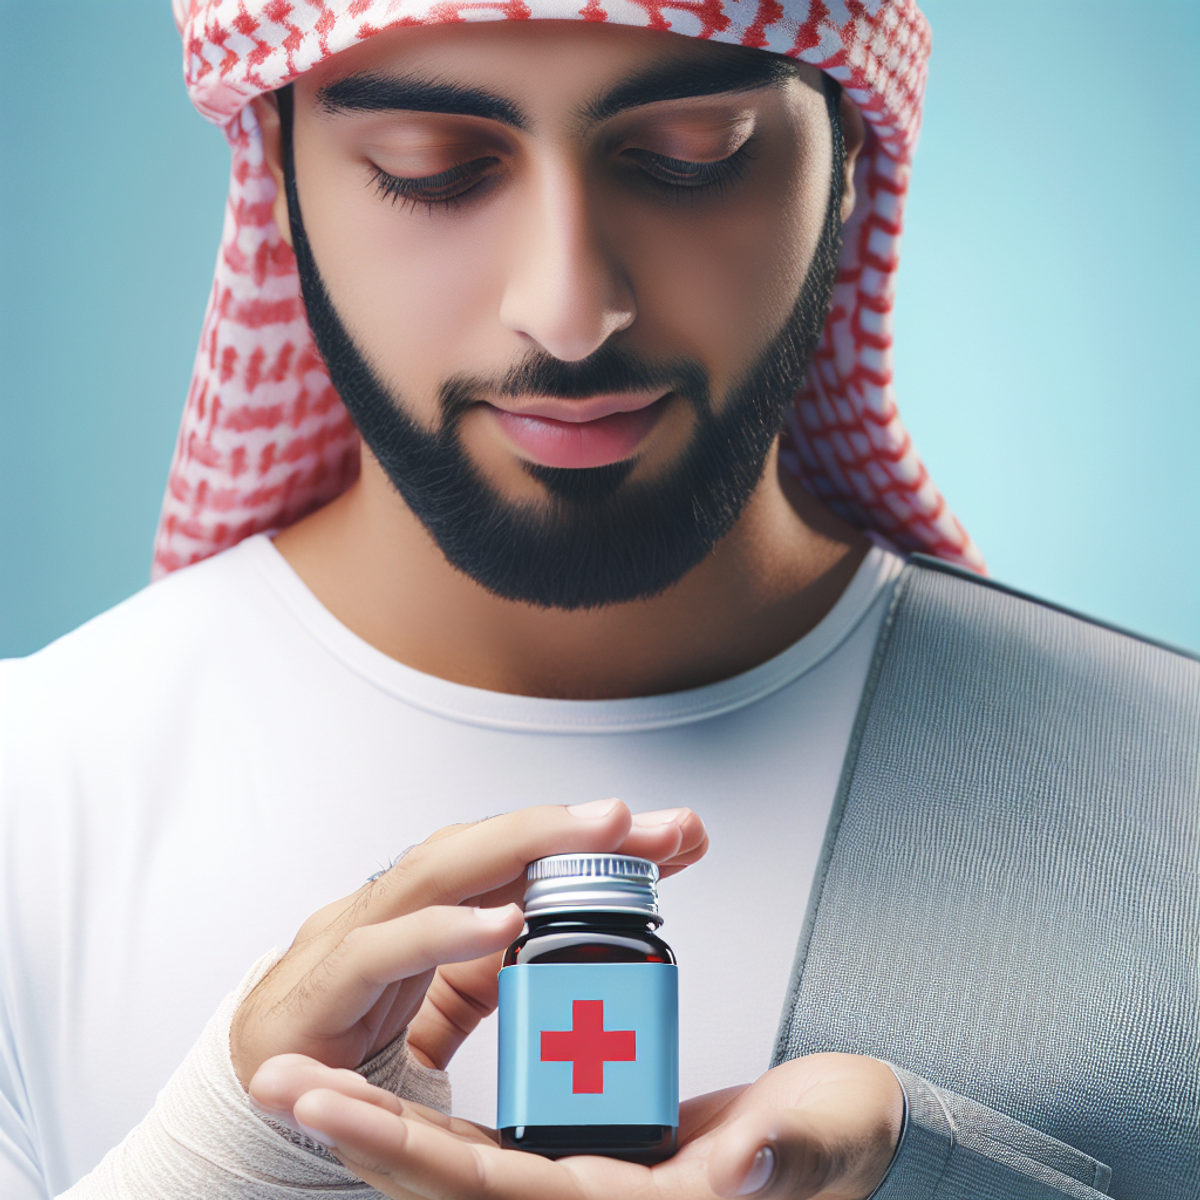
{"x":576,"y":412}
{"x":576,"y":434}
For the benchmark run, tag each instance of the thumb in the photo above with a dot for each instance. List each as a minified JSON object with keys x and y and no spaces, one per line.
{"x":769,"y":1154}
{"x":798,"y":1154}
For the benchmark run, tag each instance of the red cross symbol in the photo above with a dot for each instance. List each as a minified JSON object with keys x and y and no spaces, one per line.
{"x":588,"y":1046}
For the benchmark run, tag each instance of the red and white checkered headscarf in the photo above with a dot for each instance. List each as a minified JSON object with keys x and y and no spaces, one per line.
{"x":265,"y":438}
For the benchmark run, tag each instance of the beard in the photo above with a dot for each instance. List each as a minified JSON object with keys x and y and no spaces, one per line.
{"x":599,"y":538}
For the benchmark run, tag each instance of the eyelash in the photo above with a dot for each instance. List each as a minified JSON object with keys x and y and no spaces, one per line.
{"x":684,"y":179}
{"x":408,"y":193}
{"x":680,"y":178}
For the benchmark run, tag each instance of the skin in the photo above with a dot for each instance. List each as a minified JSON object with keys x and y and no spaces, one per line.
{"x":420,"y":948}
{"x":564,"y":248}
{"x":361,"y":970}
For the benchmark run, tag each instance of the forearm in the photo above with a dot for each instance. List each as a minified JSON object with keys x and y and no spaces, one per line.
{"x":204,"y":1138}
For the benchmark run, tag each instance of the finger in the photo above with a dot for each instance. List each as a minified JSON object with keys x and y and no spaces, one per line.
{"x":770,"y":1154}
{"x":657,"y":836}
{"x":334,"y":1010}
{"x":673,"y":838}
{"x":477,"y":859}
{"x":843,"y":1145}
{"x":459,"y":997}
{"x":353,"y":976}
{"x":401,"y":1157}
{"x":693,"y":838}
{"x":282,"y":1080}
{"x":320,"y":1102}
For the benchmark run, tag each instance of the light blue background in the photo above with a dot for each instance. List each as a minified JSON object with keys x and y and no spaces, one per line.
{"x":643,"y":997}
{"x":1048,"y":319}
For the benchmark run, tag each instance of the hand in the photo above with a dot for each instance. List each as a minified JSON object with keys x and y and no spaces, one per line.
{"x":408,"y":949}
{"x":825,"y":1127}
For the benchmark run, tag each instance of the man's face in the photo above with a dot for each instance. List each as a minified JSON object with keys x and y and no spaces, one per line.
{"x":560,"y":283}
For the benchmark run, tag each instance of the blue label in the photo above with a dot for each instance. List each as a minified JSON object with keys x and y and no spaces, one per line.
{"x":589,"y":1044}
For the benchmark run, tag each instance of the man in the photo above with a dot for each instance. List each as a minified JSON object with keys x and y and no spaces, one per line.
{"x":567,"y":279}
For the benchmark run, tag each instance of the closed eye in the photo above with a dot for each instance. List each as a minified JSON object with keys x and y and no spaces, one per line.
{"x":692,"y":177}
{"x":678,"y":176}
{"x":444,"y":188}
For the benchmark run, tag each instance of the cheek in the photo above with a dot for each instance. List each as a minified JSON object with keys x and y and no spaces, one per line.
{"x":412,"y":286}
{"x":726,"y":274}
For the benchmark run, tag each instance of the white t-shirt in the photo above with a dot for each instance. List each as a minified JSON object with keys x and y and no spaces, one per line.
{"x":187,"y":777}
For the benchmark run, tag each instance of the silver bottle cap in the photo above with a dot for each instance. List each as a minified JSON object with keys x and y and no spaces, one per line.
{"x":614,"y":883}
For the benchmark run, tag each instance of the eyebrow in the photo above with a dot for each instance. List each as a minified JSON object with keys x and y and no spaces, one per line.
{"x":383,"y":93}
{"x":684,"y":79}
{"x":678,"y":79}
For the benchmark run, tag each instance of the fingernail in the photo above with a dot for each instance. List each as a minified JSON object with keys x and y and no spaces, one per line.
{"x":316,"y":1135}
{"x":594,"y":810}
{"x":759,"y":1175}
{"x":494,"y":916}
{"x":663,"y":816}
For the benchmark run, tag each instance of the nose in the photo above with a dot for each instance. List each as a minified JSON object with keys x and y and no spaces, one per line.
{"x":566,"y":288}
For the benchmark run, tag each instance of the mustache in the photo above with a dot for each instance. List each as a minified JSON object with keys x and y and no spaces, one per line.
{"x":609,"y":369}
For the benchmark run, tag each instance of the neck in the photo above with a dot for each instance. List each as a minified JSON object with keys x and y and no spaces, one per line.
{"x":768,"y":582}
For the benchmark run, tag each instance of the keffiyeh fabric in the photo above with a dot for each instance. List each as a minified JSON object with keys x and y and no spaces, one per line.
{"x":265,"y":439}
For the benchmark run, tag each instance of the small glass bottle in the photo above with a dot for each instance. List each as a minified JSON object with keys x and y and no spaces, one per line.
{"x":589,"y":1026}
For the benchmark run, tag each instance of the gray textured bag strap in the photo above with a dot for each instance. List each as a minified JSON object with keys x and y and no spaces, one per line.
{"x":1008,"y":901}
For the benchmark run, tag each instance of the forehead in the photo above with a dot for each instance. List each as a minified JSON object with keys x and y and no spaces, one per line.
{"x":564,"y":59}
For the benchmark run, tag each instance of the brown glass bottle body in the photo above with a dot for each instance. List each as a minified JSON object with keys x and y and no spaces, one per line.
{"x":591,"y":937}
